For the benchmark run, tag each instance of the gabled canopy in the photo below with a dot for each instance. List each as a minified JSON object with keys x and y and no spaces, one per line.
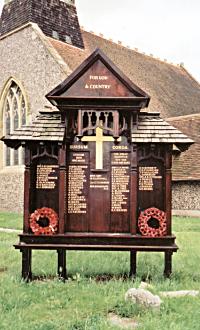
{"x":98,"y":82}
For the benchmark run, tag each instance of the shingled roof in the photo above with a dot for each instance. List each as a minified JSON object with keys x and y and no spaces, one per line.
{"x":152,"y":128}
{"x":46,"y":127}
{"x":186,"y":166}
{"x":173,"y":91}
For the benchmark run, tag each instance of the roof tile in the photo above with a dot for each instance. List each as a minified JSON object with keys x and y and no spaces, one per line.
{"x":186,"y":166}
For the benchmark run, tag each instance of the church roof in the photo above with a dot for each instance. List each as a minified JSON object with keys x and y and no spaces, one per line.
{"x":173,"y":91}
{"x":186,"y":166}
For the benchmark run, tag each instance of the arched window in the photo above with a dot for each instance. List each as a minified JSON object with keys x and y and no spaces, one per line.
{"x":14,"y":116}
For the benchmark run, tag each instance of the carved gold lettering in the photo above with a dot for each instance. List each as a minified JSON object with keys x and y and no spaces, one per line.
{"x":120,"y":158}
{"x":77,"y":203}
{"x":120,"y":188}
{"x":119,"y":147}
{"x":146,"y":176}
{"x":98,"y":77}
{"x":46,"y":177}
{"x":99,"y":182}
{"x":78,"y":147}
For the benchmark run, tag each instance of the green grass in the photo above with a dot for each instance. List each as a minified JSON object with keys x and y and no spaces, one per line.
{"x":96,"y":286}
{"x":11,"y":220}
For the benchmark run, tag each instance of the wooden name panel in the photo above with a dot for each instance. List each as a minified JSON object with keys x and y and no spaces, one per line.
{"x":44,"y":190}
{"x":98,"y":200}
{"x":151,"y":179}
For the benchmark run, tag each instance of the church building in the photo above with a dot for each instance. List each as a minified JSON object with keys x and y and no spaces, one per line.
{"x":41,"y":44}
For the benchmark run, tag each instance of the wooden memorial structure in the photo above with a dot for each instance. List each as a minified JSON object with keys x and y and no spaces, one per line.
{"x":97,"y":169}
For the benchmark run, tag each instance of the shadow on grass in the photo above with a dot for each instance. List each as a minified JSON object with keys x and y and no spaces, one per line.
{"x":105,"y":277}
{"x":43,"y":278}
{"x":3,"y":269}
{"x":98,"y":278}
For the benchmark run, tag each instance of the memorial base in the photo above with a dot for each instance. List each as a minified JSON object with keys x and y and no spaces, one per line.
{"x":85,"y":241}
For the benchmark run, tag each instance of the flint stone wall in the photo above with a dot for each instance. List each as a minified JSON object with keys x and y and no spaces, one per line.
{"x":12,"y":190}
{"x":185,"y":195}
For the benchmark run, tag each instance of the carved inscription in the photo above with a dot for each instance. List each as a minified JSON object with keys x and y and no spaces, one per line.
{"x":78,"y":147}
{"x":99,"y":182}
{"x":146,"y":176}
{"x":78,"y":157}
{"x":120,"y":158}
{"x":97,"y":82}
{"x":119,"y":147}
{"x":76,"y":187}
{"x":47,"y":176}
{"x":120,"y":188}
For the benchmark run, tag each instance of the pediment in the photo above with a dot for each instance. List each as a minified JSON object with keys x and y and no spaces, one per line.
{"x":97,"y":77}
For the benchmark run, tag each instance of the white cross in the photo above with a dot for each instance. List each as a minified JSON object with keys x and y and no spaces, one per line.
{"x":99,"y":139}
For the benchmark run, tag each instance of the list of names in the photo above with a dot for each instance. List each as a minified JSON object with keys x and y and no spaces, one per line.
{"x":99,"y":181}
{"x":120,"y":188}
{"x":46,"y":176}
{"x":147,"y":174}
{"x":76,"y":187}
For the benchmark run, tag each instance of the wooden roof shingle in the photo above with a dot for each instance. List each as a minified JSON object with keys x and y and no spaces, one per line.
{"x":46,"y":127}
{"x":153,"y":129}
{"x":150,"y":129}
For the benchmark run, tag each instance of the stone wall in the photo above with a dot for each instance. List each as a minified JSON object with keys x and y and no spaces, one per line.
{"x":12,"y":189}
{"x":185,"y":196}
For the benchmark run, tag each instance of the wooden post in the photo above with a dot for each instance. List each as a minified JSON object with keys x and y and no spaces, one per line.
{"x":116,"y":124}
{"x":26,"y":189}
{"x":62,"y":188}
{"x":26,"y":264}
{"x":168,"y":264}
{"x":133,"y":191}
{"x":168,"y":191}
{"x":133,"y":263}
{"x":80,"y":123}
{"x":62,"y":271}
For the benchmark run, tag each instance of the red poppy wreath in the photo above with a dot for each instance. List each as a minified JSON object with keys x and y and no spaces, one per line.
{"x":152,"y":222}
{"x":44,"y":221}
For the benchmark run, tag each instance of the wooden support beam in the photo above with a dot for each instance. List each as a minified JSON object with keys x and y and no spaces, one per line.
{"x":168,"y":189}
{"x":133,"y":190}
{"x":26,"y":264}
{"x":26,"y":189}
{"x":62,"y":271}
{"x":168,"y":264}
{"x":133,"y":263}
{"x":62,"y":188}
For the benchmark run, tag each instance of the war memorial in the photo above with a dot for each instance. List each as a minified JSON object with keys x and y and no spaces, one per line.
{"x":97,"y":169}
